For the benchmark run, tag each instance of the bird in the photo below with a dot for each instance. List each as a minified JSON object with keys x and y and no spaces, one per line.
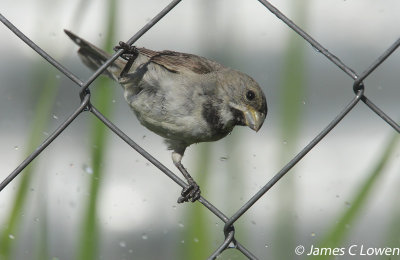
{"x":184,"y":98}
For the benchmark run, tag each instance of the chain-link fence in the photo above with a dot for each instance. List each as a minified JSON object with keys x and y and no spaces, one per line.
{"x":229,"y":231}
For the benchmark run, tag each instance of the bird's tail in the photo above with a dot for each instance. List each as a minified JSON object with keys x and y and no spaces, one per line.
{"x":94,"y":57}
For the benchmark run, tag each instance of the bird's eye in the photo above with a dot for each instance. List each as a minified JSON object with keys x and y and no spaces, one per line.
{"x":250,"y":95}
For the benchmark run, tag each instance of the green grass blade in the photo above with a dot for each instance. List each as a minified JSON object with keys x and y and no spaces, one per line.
{"x":197,"y":246}
{"x":339,"y":232}
{"x":42,"y":245}
{"x":41,"y":119}
{"x":102,"y":96}
{"x":292,"y":90}
{"x":393,"y":232}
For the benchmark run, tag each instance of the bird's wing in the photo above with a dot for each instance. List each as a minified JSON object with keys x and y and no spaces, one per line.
{"x":178,"y":62}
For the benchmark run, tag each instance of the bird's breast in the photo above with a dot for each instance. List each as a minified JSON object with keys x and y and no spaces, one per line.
{"x":177,"y":109}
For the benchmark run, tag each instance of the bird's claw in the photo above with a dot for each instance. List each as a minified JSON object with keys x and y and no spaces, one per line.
{"x":130,"y":52}
{"x":190,"y":193}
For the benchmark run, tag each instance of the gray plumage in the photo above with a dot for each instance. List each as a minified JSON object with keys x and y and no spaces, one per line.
{"x":182,"y":97}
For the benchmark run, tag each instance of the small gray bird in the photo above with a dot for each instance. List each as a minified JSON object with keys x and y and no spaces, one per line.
{"x":182,"y":97}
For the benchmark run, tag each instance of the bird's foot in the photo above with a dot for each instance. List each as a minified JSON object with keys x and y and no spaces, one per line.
{"x":130,"y":52}
{"x":190,"y":193}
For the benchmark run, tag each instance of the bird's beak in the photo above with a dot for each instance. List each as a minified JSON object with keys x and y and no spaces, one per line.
{"x":253,"y":118}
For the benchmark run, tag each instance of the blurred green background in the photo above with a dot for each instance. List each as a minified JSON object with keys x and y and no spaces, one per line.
{"x":90,"y":196}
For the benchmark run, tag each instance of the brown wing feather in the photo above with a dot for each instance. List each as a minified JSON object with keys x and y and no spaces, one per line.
{"x":177,"y":61}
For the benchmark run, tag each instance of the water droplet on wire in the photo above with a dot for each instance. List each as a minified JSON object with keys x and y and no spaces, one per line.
{"x":315,"y":49}
{"x":232,"y":245}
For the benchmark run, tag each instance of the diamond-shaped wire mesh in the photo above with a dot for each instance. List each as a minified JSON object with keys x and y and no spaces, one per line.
{"x":228,"y":230}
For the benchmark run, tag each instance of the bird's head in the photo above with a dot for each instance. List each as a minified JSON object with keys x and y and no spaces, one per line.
{"x":245,"y":98}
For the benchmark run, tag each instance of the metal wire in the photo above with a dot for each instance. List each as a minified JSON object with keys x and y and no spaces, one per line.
{"x":229,"y":231}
